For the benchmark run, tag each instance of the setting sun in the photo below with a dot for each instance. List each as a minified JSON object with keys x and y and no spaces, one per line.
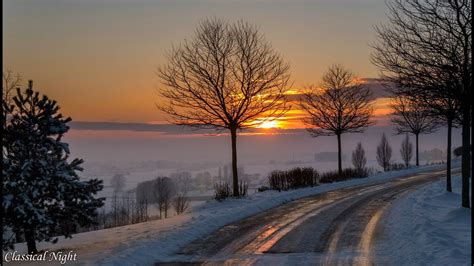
{"x":269,"y":124}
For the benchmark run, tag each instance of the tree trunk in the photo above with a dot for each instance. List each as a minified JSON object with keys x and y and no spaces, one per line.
{"x":466,"y":154}
{"x":235,"y":177}
{"x":339,"y":154}
{"x":417,"y":150}
{"x":472,"y":159}
{"x":448,"y":157}
{"x":30,"y":241}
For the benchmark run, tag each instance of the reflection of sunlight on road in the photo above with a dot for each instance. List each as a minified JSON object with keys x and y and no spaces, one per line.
{"x":365,"y":243}
{"x":333,"y":245}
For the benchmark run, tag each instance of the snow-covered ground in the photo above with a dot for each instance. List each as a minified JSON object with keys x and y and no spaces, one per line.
{"x":427,"y":227}
{"x":149,"y":242}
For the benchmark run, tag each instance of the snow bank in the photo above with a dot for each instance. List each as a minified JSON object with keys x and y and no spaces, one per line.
{"x":427,"y":227}
{"x":161,"y":246}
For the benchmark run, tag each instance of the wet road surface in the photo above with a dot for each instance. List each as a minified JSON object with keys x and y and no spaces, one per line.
{"x":337,"y":227}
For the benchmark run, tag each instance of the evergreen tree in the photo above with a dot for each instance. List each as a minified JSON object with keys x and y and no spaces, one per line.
{"x":384,"y":153}
{"x":406,"y":151}
{"x":358,"y":158}
{"x":43,"y":196}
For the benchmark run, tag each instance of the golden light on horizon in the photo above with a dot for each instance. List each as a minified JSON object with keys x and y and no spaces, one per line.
{"x":269,"y":124}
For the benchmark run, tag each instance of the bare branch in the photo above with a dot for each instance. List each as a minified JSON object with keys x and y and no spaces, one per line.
{"x":227,"y":76}
{"x":342,"y":105}
{"x":411,"y":117}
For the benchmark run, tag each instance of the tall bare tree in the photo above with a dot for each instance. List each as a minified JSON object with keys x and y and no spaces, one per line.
{"x":163,"y":192}
{"x":341,"y":105}
{"x":426,"y":49}
{"x":384,"y":153}
{"x":406,"y":151}
{"x":448,"y":112}
{"x":412,"y":118}
{"x":227,"y":77}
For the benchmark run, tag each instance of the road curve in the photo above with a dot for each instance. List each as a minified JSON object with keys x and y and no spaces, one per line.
{"x":337,"y":227}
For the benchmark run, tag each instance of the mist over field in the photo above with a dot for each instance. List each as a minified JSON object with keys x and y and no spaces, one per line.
{"x":143,"y":152}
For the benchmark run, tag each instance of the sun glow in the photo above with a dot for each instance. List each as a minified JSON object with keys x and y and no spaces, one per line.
{"x":269,"y":124}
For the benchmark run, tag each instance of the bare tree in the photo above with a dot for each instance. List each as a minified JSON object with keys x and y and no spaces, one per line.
{"x":163,"y":192}
{"x":406,"y":151}
{"x":358,"y":158}
{"x":413,"y":118}
{"x":144,"y":195}
{"x":115,"y":208}
{"x":180,"y":203}
{"x":11,"y":81}
{"x":182,"y":182}
{"x":426,"y":49}
{"x":448,"y":111}
{"x":117,"y":182}
{"x":342,"y":105}
{"x":227,"y":77}
{"x":384,"y":153}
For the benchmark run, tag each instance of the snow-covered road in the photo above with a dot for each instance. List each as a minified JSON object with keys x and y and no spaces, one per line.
{"x":339,"y":227}
{"x":161,"y":240}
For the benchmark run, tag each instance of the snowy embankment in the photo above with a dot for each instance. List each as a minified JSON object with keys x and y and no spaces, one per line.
{"x":427,"y":227}
{"x":149,"y":242}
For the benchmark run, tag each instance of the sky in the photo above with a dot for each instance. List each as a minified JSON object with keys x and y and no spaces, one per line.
{"x":98,"y":58}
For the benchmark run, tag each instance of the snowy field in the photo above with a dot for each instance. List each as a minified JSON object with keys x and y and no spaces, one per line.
{"x":146,"y":243}
{"x":427,"y":227}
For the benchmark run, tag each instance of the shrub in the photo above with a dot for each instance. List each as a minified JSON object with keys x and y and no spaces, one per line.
{"x":348,"y":173}
{"x":222,"y":191}
{"x":243,"y":188}
{"x":180,"y":203}
{"x":262,"y":188}
{"x":293,"y":178}
{"x":397,"y":166}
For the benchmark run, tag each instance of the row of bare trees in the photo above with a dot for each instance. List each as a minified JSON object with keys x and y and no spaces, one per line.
{"x":131,"y":206}
{"x":383,"y":155}
{"x":164,"y":193}
{"x":426,"y":50}
{"x":227,"y":77}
